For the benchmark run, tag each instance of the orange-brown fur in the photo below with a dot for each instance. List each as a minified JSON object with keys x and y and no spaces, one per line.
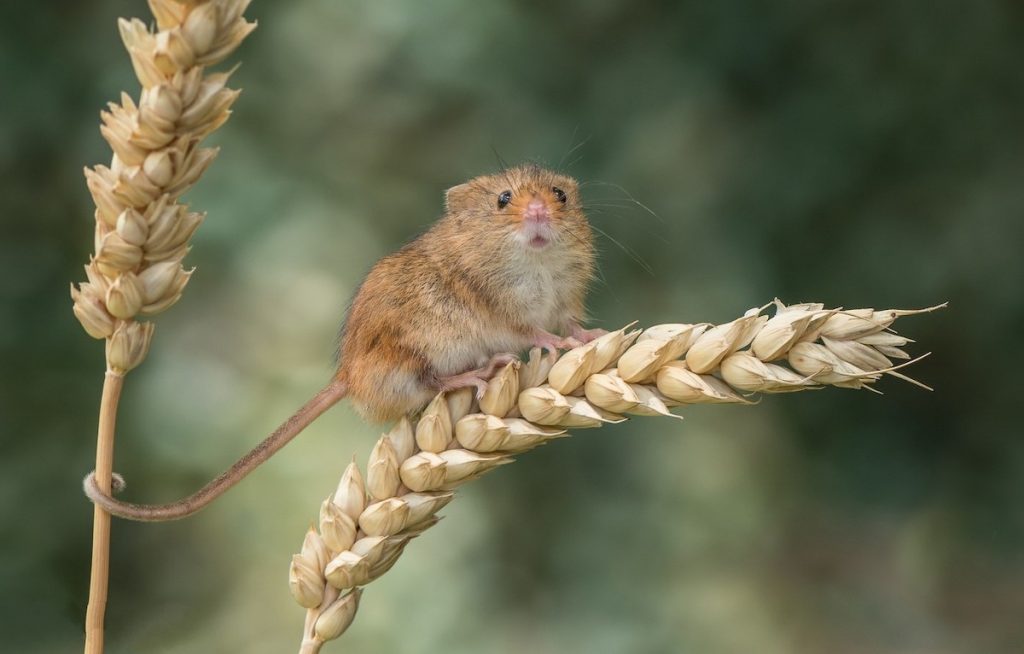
{"x":465,"y":290}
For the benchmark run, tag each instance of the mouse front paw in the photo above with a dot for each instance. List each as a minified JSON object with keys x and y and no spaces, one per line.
{"x":552,"y":343}
{"x":585,"y":335}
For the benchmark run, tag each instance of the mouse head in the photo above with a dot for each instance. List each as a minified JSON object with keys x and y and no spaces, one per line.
{"x":532,"y":207}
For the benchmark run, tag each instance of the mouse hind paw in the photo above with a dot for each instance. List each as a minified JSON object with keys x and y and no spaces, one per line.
{"x":471,"y":379}
{"x":477,"y":378}
{"x":496,"y":363}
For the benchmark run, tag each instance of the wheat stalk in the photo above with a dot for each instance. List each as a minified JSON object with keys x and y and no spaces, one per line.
{"x":142,"y":232}
{"x":414,"y":469}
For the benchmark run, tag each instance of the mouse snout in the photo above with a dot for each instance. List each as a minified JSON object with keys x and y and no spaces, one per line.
{"x":537,"y":211}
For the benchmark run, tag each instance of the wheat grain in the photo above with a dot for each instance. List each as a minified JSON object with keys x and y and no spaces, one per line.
{"x":414,"y":468}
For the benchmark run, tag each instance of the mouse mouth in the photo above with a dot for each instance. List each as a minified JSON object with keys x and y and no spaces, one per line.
{"x":538,"y":241}
{"x":536,"y":237}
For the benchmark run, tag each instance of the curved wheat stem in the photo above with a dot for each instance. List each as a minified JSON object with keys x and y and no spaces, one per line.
{"x":142,"y":232}
{"x":414,"y":469}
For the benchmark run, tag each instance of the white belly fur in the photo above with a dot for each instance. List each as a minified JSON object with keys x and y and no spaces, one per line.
{"x":533,"y":294}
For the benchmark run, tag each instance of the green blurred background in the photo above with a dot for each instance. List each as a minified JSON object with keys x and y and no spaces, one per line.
{"x":858,"y":153}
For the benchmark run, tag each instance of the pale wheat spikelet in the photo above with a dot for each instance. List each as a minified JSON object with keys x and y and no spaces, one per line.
{"x":413,"y":469}
{"x":142,"y":232}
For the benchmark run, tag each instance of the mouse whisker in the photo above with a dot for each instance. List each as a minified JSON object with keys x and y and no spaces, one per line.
{"x":599,"y":270}
{"x":574,"y":162}
{"x":632,"y":254}
{"x":629,"y":197}
{"x":596,"y":209}
{"x":572,"y":138}
{"x":574,"y":148}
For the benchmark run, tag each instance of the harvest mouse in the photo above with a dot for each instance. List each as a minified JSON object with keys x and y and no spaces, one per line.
{"x":505,"y":268}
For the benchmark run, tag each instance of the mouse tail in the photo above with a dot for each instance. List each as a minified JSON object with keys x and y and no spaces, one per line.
{"x":289,"y":429}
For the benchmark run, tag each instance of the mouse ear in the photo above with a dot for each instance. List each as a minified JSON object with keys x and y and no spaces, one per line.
{"x":457,"y":197}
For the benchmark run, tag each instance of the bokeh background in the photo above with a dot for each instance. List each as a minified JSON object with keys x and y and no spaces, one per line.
{"x":854,"y":152}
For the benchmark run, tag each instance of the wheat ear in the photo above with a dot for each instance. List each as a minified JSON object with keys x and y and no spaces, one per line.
{"x":414,"y":469}
{"x":142,"y":232}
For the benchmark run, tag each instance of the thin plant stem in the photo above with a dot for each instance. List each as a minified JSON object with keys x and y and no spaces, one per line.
{"x":99,"y":577}
{"x":311,"y":643}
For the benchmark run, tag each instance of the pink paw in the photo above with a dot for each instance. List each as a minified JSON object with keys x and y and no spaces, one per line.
{"x":497,"y":362}
{"x":553,"y":343}
{"x":586,"y":335}
{"x":465,"y":380}
{"x":478,"y":378}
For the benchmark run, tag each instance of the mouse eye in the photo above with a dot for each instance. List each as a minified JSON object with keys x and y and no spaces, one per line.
{"x":559,"y":194}
{"x":504,"y":199}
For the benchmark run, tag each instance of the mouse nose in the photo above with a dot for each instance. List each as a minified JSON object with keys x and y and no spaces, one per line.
{"x":537,"y":211}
